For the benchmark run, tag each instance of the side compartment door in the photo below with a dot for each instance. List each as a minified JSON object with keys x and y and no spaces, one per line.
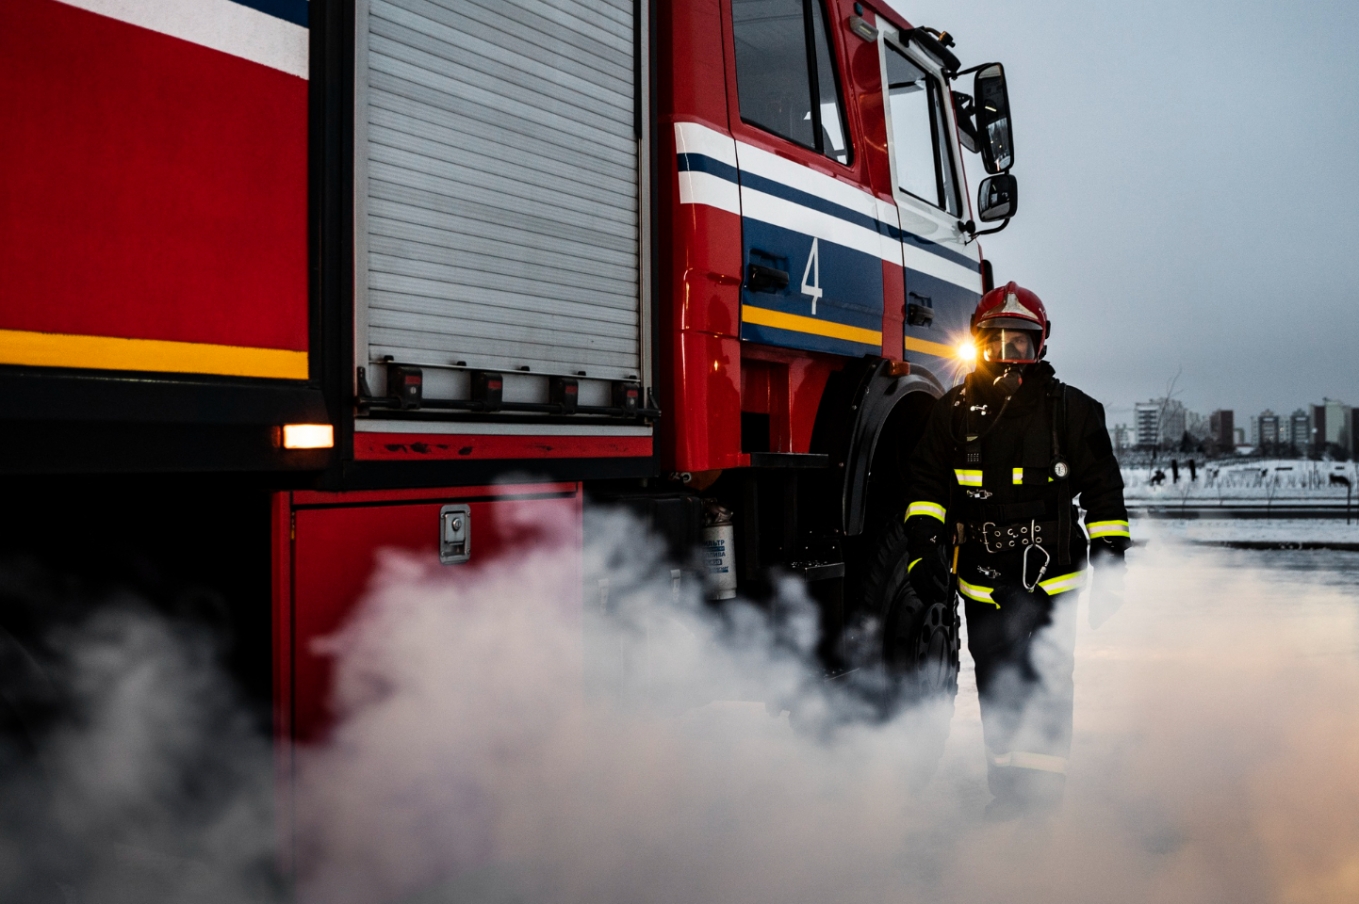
{"x":942,"y":269}
{"x":812,"y":242}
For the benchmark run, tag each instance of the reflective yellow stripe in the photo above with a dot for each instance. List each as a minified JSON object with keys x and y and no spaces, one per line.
{"x":938,"y":349}
{"x":932,"y":509}
{"x":975,"y":592}
{"x":912,"y":565}
{"x":796,"y":323}
{"x":1108,"y":529}
{"x":1018,"y":476}
{"x":1023,"y":759}
{"x":968,"y":478}
{"x":1063,"y":582}
{"x":158,"y":355}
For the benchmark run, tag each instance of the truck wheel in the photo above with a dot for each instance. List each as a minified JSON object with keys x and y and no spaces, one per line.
{"x":916,"y":643}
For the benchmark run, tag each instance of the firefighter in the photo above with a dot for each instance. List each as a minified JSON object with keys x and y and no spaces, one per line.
{"x":992,"y":517}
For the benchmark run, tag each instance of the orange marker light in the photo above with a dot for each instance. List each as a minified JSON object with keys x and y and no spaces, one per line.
{"x":308,"y":436}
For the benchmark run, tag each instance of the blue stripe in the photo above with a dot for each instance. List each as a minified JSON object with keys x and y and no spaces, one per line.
{"x":768,"y":335}
{"x":701,"y":163}
{"x":294,"y":11}
{"x":704,"y":164}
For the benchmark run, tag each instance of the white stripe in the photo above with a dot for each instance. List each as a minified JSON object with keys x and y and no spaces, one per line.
{"x":218,"y":24}
{"x":705,"y":188}
{"x":932,"y":264}
{"x":777,"y":212}
{"x":692,"y":138}
{"x":479,"y":429}
{"x":794,"y":175}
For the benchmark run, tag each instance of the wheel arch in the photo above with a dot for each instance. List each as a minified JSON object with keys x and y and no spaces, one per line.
{"x":867,"y":414}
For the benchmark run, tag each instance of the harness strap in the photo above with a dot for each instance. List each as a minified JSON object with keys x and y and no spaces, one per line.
{"x":1063,"y":482}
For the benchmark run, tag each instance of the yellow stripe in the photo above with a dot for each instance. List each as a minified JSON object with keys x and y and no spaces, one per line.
{"x":798,"y":324}
{"x":934,"y":510}
{"x":1063,"y":582}
{"x":927,"y":347}
{"x":1018,"y":474}
{"x":968,"y":478}
{"x":975,"y":592}
{"x":914,"y":562}
{"x":1022,"y":759}
{"x":160,"y":355}
{"x":1108,"y":529}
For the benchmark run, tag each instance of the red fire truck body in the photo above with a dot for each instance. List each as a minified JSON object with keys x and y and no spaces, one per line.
{"x":286,"y":283}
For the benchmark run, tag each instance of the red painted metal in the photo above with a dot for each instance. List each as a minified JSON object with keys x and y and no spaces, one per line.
{"x":331,"y":550}
{"x":701,"y":273}
{"x":156,"y":188}
{"x":467,"y":447}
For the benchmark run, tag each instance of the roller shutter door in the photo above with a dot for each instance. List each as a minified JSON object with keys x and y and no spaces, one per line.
{"x":497,"y":183}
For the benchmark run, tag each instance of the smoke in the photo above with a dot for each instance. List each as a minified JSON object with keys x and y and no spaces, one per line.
{"x":542,"y":729}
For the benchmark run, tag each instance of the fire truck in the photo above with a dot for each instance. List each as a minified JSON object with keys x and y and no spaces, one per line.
{"x":287,"y":283}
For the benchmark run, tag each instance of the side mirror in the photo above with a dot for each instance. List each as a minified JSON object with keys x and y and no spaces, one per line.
{"x":998,"y":198}
{"x":992,"y":102}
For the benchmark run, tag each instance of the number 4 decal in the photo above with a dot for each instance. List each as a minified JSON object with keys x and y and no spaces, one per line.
{"x":813,"y":270}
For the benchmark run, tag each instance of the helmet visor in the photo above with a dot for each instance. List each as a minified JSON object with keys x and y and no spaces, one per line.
{"x":1007,"y":346}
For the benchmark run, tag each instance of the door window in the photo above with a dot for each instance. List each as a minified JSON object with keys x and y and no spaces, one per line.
{"x":786,"y":81}
{"x":920,"y":134}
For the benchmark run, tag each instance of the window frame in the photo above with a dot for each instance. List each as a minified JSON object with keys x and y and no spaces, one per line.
{"x":813,"y":85}
{"x":889,"y":42}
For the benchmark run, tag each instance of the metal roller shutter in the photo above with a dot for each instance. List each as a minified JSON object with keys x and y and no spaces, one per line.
{"x":497,"y":166}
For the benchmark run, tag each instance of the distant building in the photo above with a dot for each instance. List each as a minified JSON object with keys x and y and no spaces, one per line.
{"x":1332,"y":425}
{"x":1159,"y":423}
{"x":1147,"y":424}
{"x":1123,"y":437}
{"x":1299,"y":432}
{"x":1222,"y":429}
{"x":1265,"y":431}
{"x":1239,"y":433}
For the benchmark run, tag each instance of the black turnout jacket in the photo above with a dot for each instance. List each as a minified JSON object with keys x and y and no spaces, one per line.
{"x":989,"y":496}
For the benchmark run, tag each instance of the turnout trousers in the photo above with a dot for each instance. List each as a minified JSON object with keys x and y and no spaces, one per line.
{"x":1024,"y":649}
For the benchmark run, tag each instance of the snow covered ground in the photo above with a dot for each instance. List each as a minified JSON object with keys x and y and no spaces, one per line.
{"x":1301,"y":532}
{"x":1288,"y":484}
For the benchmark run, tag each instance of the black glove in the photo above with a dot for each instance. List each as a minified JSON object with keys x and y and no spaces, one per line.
{"x":1106,"y":590}
{"x":929,"y":573}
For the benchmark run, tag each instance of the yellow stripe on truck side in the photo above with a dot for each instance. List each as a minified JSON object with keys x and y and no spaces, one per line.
{"x":159,"y":355}
{"x":798,"y":324}
{"x":924,"y":346}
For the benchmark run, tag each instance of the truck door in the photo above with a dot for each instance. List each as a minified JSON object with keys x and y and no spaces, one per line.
{"x":813,"y":238}
{"x":942,"y":269}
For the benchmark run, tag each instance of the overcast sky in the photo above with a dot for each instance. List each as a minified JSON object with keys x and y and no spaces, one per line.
{"x":1177,"y":203}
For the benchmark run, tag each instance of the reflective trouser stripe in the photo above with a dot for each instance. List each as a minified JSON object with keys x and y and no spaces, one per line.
{"x":1063,"y":582}
{"x":968,"y":478}
{"x":1018,"y":474}
{"x":1099,"y":529}
{"x":1022,"y":759}
{"x":930,"y":509}
{"x":975,"y":592}
{"x":912,"y":565}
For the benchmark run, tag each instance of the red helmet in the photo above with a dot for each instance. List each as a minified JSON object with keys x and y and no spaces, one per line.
{"x":1011,"y":311}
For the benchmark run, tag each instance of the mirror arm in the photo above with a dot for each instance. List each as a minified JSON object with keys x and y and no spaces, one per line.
{"x":970,"y":69}
{"x":973,"y":233}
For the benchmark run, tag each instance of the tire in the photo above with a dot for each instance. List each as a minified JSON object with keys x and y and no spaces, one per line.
{"x":914,"y":645}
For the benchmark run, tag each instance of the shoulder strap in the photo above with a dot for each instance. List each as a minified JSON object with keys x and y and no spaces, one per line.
{"x":1057,"y":395}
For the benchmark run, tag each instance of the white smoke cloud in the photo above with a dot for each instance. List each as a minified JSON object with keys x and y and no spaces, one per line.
{"x":504,"y":736}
